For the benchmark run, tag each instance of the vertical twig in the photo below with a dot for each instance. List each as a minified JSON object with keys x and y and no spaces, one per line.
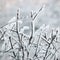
{"x":32,"y":24}
{"x":22,"y":49}
{"x":20,"y":45}
{"x":12,"y":46}
{"x":18,"y":56}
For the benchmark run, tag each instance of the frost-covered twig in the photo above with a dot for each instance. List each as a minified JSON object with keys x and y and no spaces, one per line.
{"x":32,"y":24}
{"x":12,"y":47}
{"x":37,"y":13}
{"x":35,"y":55}
{"x":2,"y":35}
{"x":52,"y":39}
{"x":17,"y":31}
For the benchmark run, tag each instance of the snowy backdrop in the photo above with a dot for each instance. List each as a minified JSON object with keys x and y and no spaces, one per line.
{"x":29,"y":29}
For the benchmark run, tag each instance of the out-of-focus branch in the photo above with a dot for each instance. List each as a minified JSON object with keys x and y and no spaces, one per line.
{"x":2,"y":35}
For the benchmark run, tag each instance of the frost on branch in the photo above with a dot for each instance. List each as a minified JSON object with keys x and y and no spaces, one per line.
{"x":16,"y":45}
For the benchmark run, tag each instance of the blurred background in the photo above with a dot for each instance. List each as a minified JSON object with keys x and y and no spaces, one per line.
{"x":49,"y":15}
